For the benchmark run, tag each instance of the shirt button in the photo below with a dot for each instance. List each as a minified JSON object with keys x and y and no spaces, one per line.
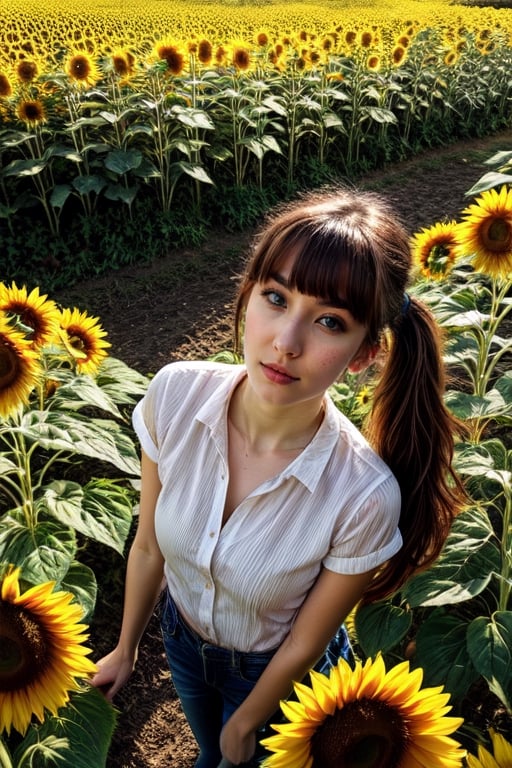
{"x":208,"y":585}
{"x":212,"y":534}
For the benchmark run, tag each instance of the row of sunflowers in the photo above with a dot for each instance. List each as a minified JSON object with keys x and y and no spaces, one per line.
{"x":444,"y":639}
{"x":68,"y":475}
{"x":109,"y":118}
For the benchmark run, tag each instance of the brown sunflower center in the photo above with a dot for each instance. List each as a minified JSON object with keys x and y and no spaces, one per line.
{"x":76,"y":340}
{"x":23,"y":648}
{"x":80,"y":67}
{"x":9,"y":365}
{"x":438,"y":258}
{"x":497,"y":235}
{"x":366,"y":733}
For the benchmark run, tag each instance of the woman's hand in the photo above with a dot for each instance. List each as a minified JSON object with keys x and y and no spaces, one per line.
{"x":236,"y":743}
{"x":113,"y":672}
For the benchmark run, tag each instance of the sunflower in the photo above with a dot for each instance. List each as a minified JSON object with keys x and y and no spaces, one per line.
{"x":221,"y":56}
{"x":502,"y":750}
{"x":262,"y":38}
{"x":364,"y":399}
{"x":398,"y":55}
{"x":486,"y":233}
{"x":38,"y":315}
{"x":19,"y":368}
{"x":42,"y":653}
{"x":365,"y":716}
{"x":451,"y":58}
{"x":241,"y":57}
{"x":373,"y":62}
{"x":366,"y":40}
{"x":5,"y":86}
{"x":26,"y":70}
{"x":83,"y":337}
{"x":172,"y":55}
{"x":123,"y":63}
{"x":204,"y":51}
{"x":31,"y":112}
{"x":82,"y":68}
{"x":434,"y":249}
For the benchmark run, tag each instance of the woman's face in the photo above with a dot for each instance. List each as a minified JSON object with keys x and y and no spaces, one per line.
{"x":295,"y":345}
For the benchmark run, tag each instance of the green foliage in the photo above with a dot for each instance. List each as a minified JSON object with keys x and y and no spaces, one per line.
{"x":123,"y":172}
{"x":78,"y":737}
{"x":456,"y":617}
{"x":69,"y":470}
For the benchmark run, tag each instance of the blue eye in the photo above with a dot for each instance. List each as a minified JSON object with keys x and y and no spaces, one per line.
{"x":331,"y":323}
{"x":274,"y":297}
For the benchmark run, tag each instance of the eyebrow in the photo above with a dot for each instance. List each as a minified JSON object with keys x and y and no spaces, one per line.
{"x":330,"y":302}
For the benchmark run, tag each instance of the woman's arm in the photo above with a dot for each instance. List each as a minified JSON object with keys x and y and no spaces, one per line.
{"x":143,"y":584}
{"x":329,"y":602}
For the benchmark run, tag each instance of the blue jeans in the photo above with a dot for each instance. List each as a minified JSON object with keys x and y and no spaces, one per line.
{"x":212,"y":682}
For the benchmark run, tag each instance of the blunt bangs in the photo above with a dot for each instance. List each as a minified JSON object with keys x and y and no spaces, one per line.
{"x":333,"y":261}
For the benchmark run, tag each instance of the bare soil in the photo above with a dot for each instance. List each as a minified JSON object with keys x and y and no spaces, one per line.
{"x":179,"y":307}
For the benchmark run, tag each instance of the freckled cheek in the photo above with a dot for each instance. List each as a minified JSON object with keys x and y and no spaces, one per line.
{"x":331,"y":361}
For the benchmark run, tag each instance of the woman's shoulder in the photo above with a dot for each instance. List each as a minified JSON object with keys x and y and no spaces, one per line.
{"x":354,"y":446}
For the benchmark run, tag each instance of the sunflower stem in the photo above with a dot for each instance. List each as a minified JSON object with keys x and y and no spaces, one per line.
{"x":506,"y":557}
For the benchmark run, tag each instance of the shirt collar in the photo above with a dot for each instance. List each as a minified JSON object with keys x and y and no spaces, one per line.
{"x":308,"y":467}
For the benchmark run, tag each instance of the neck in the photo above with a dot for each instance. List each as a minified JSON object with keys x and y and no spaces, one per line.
{"x":271,"y":429}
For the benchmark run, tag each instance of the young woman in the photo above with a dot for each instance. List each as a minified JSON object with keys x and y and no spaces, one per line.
{"x":269,"y":513}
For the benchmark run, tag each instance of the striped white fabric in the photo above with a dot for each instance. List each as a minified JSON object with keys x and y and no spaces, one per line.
{"x":240,"y":586}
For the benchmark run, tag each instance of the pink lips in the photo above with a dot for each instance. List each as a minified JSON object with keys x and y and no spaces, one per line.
{"x":277,"y":374}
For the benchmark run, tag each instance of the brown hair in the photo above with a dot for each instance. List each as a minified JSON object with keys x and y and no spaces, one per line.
{"x":351,"y":244}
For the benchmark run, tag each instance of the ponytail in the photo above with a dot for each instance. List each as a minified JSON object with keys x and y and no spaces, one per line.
{"x":412,"y":430}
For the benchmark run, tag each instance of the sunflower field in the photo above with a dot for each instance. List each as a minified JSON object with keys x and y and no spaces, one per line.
{"x":128,"y":130}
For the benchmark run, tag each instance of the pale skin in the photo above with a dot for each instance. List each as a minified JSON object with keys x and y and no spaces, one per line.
{"x":296,"y":346}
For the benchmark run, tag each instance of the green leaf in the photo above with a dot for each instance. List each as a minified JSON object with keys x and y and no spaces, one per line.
{"x":100,"y":439}
{"x":82,"y":392}
{"x":381,"y":115}
{"x":61,"y":150}
{"x":501,"y":158}
{"x":381,"y":626}
{"x":122,"y":384}
{"x":119,"y":192}
{"x":504,"y":387}
{"x":470,"y":319}
{"x":195,"y":171}
{"x":467,"y":406}
{"x":87,"y":723}
{"x":469,"y":559}
{"x":59,"y":195}
{"x":101,"y":510}
{"x":442,"y":653}
{"x":44,"y":553}
{"x":121,"y":161}
{"x":23,"y":168}
{"x":194,"y":118}
{"x":8,"y":467}
{"x":81,"y":582}
{"x":271,"y":144}
{"x":84,"y":185}
{"x":488,"y":181}
{"x":490,"y":649}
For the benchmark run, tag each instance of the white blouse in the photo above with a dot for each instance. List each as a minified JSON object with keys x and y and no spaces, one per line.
{"x":240,"y":585}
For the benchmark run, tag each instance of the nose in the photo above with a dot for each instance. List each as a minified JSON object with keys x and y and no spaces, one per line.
{"x":288,"y":340}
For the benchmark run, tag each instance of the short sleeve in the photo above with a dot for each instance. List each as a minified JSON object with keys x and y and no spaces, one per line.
{"x":373,"y":537}
{"x":146,"y":412}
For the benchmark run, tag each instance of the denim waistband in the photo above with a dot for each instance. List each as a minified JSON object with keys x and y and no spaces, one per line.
{"x":206,"y":647}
